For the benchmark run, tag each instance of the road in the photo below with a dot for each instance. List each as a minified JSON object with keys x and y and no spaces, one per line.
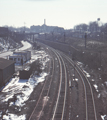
{"x":26,"y":45}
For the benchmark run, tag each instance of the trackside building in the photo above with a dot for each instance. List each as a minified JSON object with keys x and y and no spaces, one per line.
{"x":20,"y":57}
{"x":7,"y":69}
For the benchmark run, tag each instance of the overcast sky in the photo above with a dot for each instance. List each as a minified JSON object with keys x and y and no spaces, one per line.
{"x":62,"y":13}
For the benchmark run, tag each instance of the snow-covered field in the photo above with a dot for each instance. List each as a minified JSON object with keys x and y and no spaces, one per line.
{"x":22,"y":89}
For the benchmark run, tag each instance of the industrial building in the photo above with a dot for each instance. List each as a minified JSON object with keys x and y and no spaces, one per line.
{"x":27,"y":54}
{"x":7,"y":69}
{"x":20,"y":57}
{"x":4,"y":31}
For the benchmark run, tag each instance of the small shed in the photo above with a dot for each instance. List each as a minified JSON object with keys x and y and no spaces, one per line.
{"x":7,"y":69}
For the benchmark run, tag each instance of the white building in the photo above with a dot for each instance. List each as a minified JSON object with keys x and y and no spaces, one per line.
{"x":27,"y":54}
{"x":20,"y":57}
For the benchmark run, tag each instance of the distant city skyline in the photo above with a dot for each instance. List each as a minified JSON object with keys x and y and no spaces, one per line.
{"x":61,"y":13}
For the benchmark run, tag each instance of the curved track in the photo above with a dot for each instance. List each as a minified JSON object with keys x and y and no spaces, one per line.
{"x":54,"y":102}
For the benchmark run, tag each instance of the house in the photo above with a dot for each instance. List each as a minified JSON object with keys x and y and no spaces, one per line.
{"x":7,"y":69}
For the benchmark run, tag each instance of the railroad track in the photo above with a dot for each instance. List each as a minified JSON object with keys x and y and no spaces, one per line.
{"x":90,"y":107}
{"x":57,"y":93}
{"x":42,"y":100}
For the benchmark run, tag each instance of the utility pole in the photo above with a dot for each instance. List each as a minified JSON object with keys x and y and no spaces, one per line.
{"x":24,"y":26}
{"x":64,"y":36}
{"x":52,"y":36}
{"x":45,"y":36}
{"x":98,"y":19}
{"x":85,"y":39}
{"x":100,"y":57}
{"x":33,"y":38}
{"x":24,"y":30}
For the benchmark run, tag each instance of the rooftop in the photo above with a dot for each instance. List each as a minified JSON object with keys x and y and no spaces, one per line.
{"x":5,"y":63}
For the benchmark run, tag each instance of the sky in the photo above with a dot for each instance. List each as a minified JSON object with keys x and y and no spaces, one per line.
{"x":62,"y":13}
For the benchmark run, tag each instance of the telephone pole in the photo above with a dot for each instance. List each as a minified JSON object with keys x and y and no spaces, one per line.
{"x":100,"y":58}
{"x":64,"y":36}
{"x":85,"y":39}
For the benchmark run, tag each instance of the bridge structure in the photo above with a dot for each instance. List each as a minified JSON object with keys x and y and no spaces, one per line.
{"x":32,"y":35}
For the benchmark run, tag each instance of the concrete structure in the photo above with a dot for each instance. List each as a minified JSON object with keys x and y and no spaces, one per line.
{"x":7,"y":69}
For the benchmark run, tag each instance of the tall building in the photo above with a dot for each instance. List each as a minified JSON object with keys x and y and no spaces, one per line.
{"x":46,"y":29}
{"x":44,"y":26}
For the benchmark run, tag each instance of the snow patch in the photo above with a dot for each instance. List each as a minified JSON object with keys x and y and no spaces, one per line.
{"x":14,"y":117}
{"x":106,"y":83}
{"x":26,"y":45}
{"x":80,"y":64}
{"x":92,"y":80}
{"x":103,"y":117}
{"x":96,"y":87}
{"x":99,"y":95}
{"x":87,"y":74}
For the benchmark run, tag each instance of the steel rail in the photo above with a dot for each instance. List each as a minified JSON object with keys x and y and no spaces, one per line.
{"x":65,"y":94}
{"x":65,"y":90}
{"x":37,"y":101}
{"x":93,"y":101}
{"x":85,"y":89}
{"x":47,"y":91}
{"x":91,"y":93}
{"x":60,"y":88}
{"x":83,"y":85}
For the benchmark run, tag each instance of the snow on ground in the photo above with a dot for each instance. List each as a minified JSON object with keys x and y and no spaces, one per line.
{"x":14,"y":117}
{"x":106,"y":83}
{"x":5,"y":45}
{"x":92,"y":80}
{"x":99,"y":95}
{"x":103,"y":117}
{"x":96,"y":87}
{"x":22,"y":89}
{"x":76,"y":79}
{"x":87,"y":74}
{"x":5,"y":54}
{"x":26,"y":45}
{"x":80,"y":64}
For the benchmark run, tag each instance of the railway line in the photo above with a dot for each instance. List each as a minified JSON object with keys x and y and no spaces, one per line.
{"x":66,"y":94}
{"x":90,"y":107}
{"x":60,"y":86}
